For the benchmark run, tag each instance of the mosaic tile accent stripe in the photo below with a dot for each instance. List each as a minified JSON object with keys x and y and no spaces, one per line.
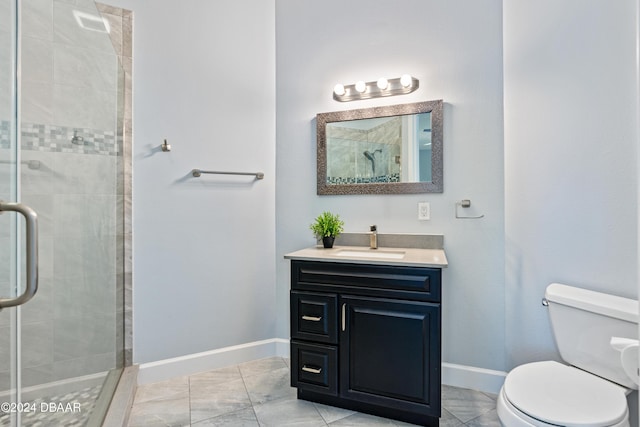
{"x":39,"y":137}
{"x":50,"y":138}
{"x":5,"y":134}
{"x":395,"y":177}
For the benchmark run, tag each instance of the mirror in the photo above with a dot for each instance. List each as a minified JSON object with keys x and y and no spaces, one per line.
{"x":381,"y":150}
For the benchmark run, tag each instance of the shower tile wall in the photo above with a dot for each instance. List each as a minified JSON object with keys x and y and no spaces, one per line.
{"x":69,"y":73}
{"x":69,"y":328}
{"x":69,"y":80}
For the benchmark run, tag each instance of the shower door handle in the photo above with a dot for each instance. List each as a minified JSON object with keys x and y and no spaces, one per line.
{"x":31,"y":221}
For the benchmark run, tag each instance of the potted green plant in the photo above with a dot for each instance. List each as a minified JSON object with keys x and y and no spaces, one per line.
{"x":327,"y":227}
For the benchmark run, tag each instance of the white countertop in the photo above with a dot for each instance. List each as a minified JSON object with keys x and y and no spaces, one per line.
{"x":412,"y":257}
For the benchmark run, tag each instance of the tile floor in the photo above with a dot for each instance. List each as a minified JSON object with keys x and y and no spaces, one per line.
{"x":258,"y":393}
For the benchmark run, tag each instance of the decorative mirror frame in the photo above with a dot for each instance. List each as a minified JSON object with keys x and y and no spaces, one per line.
{"x":435,"y":186}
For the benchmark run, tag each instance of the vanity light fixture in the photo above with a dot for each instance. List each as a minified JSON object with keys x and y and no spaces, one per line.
{"x":381,"y":87}
{"x":361,"y":86}
{"x":382,"y":83}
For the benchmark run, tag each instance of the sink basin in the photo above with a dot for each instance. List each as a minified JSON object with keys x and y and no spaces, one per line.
{"x":370,"y":253}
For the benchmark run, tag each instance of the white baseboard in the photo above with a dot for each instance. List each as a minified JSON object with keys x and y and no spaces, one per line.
{"x":455,"y":375}
{"x":200,"y":362}
{"x":471,"y":377}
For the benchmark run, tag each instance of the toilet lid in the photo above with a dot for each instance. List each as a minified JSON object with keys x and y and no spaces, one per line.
{"x":564,"y":395}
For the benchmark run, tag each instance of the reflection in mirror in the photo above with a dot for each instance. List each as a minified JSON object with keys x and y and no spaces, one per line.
{"x":386,"y":149}
{"x":382,"y":150}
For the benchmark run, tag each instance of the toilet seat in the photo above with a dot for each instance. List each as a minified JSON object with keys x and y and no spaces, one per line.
{"x":558,"y":394}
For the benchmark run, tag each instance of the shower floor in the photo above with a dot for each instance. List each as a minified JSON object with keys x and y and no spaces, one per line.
{"x":71,"y":409}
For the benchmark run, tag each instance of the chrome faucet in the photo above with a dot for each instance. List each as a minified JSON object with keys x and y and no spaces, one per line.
{"x":373,"y":237}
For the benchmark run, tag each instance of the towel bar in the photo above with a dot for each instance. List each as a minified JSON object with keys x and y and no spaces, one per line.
{"x":198,"y":172}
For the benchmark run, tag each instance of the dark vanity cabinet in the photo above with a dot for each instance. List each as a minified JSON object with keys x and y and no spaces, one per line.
{"x":366,"y":337}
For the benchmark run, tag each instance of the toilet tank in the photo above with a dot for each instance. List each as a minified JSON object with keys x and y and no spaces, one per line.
{"x":583,"y":323}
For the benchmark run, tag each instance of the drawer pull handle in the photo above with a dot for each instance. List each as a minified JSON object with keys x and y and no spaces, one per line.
{"x":344,"y":320}
{"x":312,"y":318}
{"x":311,"y":370}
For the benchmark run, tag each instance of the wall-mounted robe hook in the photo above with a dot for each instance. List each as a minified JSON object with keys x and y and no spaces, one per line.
{"x":466,"y":203}
{"x":165,"y":147}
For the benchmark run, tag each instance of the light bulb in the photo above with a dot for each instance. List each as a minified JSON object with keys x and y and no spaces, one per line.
{"x":382,"y":83}
{"x":406,"y":80}
{"x":339,"y":89}
{"x":361,"y":86}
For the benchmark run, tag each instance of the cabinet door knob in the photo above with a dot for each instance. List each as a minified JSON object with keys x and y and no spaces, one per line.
{"x":311,"y":370}
{"x":312,"y":318}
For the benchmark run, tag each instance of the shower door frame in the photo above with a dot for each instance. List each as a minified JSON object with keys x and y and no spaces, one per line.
{"x":12,"y":398}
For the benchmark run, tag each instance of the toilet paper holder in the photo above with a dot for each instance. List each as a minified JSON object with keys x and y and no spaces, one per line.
{"x":465,"y":203}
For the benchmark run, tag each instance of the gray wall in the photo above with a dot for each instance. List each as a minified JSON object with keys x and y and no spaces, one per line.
{"x":455,"y":49}
{"x":571,"y":124}
{"x":204,"y":265}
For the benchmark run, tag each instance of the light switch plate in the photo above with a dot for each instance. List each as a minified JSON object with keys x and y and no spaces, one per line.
{"x":424,"y":211}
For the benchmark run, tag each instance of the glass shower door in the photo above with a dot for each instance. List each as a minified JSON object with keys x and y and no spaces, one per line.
{"x":61,"y":106}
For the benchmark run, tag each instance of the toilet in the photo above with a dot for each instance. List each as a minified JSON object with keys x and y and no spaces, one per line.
{"x":596,"y":335}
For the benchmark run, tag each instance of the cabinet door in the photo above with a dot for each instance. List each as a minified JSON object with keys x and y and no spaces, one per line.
{"x":390,"y":353}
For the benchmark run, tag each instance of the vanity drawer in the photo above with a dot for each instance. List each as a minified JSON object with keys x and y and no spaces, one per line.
{"x":414,"y":283}
{"x":314,"y":316}
{"x":314,"y":367}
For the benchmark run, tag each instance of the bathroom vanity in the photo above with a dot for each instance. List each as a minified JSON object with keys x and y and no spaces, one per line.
{"x":365,"y":330}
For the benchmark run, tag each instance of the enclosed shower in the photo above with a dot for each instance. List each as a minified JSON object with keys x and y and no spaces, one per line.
{"x":64,"y":154}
